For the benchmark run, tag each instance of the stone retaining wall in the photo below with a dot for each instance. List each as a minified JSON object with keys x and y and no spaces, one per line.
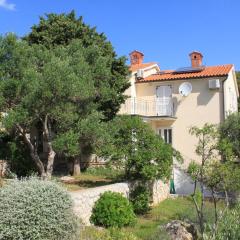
{"x":84,"y":199}
{"x":160,"y":191}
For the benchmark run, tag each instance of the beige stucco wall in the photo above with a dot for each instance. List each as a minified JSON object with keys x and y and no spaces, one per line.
{"x":201,"y":106}
{"x":131,"y":91}
{"x":230,"y":93}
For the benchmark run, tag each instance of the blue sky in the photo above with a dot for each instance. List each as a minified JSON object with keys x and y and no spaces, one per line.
{"x":166,"y":31}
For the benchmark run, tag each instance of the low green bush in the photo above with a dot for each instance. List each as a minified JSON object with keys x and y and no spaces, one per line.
{"x":113,"y":210}
{"x":229,"y":226}
{"x":36,"y":210}
{"x":139,"y":198}
{"x":17,"y":155}
{"x":92,"y":233}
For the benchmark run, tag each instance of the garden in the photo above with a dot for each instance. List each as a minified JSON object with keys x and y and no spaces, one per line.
{"x":60,"y":92}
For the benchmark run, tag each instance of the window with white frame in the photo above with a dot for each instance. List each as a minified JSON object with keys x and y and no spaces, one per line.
{"x":166,"y":134}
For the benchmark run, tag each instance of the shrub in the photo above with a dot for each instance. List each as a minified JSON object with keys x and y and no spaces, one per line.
{"x":121,"y":235}
{"x":128,"y":133}
{"x":112,"y":210}
{"x":229,"y":226}
{"x":92,"y":233}
{"x":36,"y":210}
{"x":140,"y":199}
{"x":16,"y":153}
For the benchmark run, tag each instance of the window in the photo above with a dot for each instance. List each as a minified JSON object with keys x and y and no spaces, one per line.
{"x":166,"y":134}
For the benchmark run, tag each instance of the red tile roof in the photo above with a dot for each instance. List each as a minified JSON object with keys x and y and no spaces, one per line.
{"x":134,"y":68}
{"x":213,"y":71}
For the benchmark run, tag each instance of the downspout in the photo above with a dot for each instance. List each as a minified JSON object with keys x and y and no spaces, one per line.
{"x":223,"y":97}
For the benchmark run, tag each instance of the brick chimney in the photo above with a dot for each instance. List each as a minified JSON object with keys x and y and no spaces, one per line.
{"x":136,"y":57}
{"x":196,"y":59}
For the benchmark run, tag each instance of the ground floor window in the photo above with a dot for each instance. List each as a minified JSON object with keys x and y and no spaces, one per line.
{"x":166,"y":134}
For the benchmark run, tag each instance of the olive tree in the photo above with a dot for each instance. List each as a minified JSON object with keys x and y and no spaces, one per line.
{"x":54,"y":91}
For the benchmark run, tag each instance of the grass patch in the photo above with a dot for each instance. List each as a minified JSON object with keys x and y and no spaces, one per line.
{"x":149,"y":226}
{"x":94,"y":177}
{"x":106,"y":172}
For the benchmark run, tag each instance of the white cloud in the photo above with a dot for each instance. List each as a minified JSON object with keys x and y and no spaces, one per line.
{"x":6,"y":5}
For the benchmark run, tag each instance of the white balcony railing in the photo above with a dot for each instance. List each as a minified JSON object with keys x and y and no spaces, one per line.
{"x":148,"y":107}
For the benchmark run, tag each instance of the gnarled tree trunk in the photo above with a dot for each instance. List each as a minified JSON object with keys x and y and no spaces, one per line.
{"x":76,"y":166}
{"x":33,"y":151}
{"x":51,"y":152}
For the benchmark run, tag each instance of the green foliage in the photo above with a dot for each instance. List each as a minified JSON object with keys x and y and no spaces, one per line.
{"x":70,"y":84}
{"x":193,"y":170}
{"x":140,"y":198}
{"x":206,"y":148}
{"x":91,"y":233}
{"x":16,"y":153}
{"x":207,"y":141}
{"x":218,"y":176}
{"x":230,"y":134}
{"x":229,"y":225}
{"x":105,"y":171}
{"x":121,"y":235}
{"x":61,"y":29}
{"x":112,"y":210}
{"x":34,"y":209}
{"x":151,"y":226}
{"x":134,"y":146}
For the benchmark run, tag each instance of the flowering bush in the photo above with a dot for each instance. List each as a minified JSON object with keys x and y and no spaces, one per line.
{"x":36,"y":210}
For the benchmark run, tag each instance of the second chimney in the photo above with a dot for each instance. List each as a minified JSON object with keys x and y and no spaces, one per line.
{"x":196,"y":59}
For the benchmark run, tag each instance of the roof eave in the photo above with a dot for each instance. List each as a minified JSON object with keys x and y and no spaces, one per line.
{"x":177,"y":79}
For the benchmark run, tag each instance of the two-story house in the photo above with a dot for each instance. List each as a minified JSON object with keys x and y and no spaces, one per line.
{"x":172,"y":101}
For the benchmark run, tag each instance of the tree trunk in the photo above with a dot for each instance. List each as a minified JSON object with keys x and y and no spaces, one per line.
{"x":216,"y":215}
{"x":39,"y":165}
{"x":51,"y":152}
{"x":76,"y":166}
{"x":33,"y":152}
{"x":50,"y":162}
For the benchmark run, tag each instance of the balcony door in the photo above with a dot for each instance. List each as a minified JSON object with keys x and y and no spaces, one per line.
{"x":164,"y":100}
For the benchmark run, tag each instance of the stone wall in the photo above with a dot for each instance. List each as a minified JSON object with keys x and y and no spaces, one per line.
{"x":160,"y":191}
{"x":84,"y":199}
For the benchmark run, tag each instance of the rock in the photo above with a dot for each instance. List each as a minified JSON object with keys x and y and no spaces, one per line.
{"x":179,"y":230}
{"x":3,"y":168}
{"x":67,"y":179}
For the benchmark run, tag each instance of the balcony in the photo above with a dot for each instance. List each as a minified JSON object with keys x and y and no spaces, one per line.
{"x":148,"y":107}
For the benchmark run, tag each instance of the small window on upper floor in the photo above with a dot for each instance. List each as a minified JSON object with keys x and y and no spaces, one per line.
{"x":166,"y":134}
